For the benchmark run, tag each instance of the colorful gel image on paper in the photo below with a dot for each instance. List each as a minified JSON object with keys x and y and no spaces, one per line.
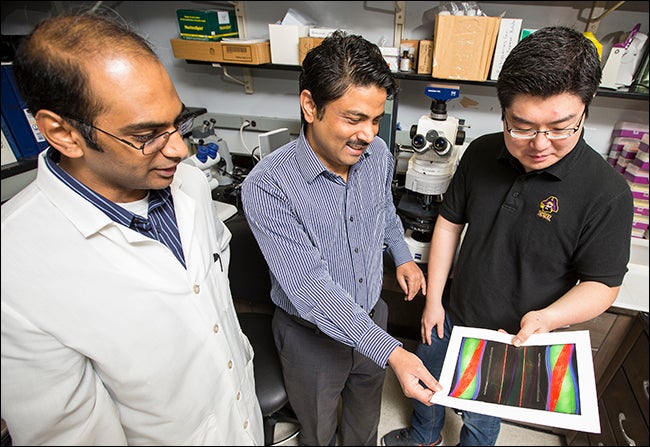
{"x":536,"y":377}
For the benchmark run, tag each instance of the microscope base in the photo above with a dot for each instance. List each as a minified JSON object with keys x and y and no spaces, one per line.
{"x":419,"y":250}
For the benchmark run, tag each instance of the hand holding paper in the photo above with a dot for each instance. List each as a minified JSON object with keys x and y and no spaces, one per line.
{"x":548,"y":380}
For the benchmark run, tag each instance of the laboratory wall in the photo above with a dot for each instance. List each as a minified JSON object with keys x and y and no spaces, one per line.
{"x":276,"y":91}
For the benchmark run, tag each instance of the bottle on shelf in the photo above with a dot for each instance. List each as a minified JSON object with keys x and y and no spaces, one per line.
{"x":405,"y":61}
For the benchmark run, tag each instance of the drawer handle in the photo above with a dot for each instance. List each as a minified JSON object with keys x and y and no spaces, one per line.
{"x":621,"y":418}
{"x":645,"y":388}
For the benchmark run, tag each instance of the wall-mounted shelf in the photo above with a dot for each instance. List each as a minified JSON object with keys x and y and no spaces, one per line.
{"x":422,"y":77}
{"x":599,"y":10}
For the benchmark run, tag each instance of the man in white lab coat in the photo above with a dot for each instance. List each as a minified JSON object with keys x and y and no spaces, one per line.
{"x":117,"y":320}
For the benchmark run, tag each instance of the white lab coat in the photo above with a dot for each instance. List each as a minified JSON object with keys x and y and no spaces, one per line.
{"x":107,"y":339}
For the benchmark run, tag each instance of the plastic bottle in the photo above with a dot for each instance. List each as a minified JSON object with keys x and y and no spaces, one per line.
{"x":599,"y":47}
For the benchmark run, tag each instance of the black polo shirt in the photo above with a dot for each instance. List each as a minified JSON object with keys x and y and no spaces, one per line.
{"x":532,"y":236}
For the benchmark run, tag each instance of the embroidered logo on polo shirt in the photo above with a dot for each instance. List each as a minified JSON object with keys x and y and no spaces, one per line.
{"x":547,"y":207}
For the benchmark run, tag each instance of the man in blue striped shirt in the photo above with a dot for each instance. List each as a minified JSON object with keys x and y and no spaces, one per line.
{"x":322,"y":211}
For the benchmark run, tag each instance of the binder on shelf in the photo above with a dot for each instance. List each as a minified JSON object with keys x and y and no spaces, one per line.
{"x":508,"y":37}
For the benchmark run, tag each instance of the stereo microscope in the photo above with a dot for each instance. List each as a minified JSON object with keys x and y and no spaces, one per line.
{"x":211,"y":153}
{"x":435,"y":140}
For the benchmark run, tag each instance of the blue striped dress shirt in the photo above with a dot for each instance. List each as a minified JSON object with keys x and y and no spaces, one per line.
{"x":324,"y":239}
{"x":160,"y":224}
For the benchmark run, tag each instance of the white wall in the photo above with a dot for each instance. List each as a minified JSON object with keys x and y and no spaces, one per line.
{"x":276,"y":91}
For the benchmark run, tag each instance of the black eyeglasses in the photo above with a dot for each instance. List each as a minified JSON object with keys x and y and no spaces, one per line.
{"x":554,"y":134}
{"x":157,"y":143}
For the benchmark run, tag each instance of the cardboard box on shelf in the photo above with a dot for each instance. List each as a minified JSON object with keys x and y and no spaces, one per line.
{"x":211,"y":25}
{"x":196,"y":50}
{"x":463,"y":47}
{"x":307,"y":43}
{"x":284,"y":42}
{"x":251,"y":53}
{"x":245,"y":52}
{"x":425,"y":57}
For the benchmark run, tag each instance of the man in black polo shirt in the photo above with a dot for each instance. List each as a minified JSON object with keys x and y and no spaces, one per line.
{"x":548,"y":221}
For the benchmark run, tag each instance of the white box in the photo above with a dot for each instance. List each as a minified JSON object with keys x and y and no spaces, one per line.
{"x":284,"y":43}
{"x":508,"y":37}
{"x":391,"y":56}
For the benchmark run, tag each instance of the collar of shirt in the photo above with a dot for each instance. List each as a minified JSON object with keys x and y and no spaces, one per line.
{"x":161,"y":209}
{"x":115,"y":212}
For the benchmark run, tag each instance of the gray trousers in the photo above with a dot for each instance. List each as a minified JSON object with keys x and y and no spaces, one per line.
{"x":320,"y":372}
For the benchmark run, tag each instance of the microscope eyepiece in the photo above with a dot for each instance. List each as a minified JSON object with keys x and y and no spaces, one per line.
{"x":441,"y":146}
{"x":419,"y":142}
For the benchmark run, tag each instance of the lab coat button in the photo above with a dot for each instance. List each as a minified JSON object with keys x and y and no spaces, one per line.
{"x":245,"y":425}
{"x":229,"y":364}
{"x":238,"y":395}
{"x":215,"y":328}
{"x":196,"y":288}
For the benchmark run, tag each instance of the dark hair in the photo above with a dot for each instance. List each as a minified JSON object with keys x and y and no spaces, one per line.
{"x":340,"y":61}
{"x":54,"y":63}
{"x":551,"y":61}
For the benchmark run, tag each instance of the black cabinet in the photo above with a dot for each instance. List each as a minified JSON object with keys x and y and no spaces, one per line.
{"x":623,"y":392}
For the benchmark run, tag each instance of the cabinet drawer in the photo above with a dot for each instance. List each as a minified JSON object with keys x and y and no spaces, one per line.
{"x":624,"y":413}
{"x":606,"y":435}
{"x":636,"y":370}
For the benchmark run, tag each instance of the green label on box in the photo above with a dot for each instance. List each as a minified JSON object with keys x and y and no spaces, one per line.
{"x":206,"y":25}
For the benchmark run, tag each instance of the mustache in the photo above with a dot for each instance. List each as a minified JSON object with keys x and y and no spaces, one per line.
{"x":358,"y":144}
